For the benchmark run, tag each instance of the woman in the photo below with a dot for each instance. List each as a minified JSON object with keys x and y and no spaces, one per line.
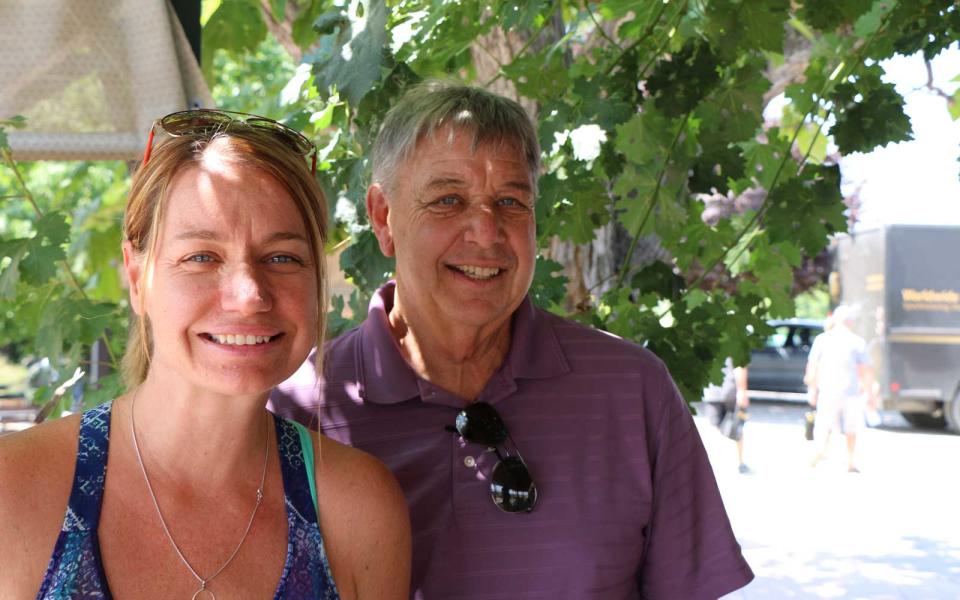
{"x":186,"y":487}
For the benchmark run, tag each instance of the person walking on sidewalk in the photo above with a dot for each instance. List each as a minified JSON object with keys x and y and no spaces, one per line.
{"x":726,"y":407}
{"x":838,"y":374}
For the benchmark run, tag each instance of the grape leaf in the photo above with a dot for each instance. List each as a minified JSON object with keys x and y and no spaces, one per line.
{"x":877,"y":119}
{"x":681,"y":80}
{"x":827,"y":15}
{"x":548,"y":290}
{"x":350,"y":54}
{"x":574,"y":207}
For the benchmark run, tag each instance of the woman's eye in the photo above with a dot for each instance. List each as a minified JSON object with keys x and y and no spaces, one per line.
{"x":200,"y":258}
{"x":283,"y":259}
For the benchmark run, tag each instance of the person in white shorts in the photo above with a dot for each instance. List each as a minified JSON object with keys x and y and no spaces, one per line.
{"x":839,"y":373}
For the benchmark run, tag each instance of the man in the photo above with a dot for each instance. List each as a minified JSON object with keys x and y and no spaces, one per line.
{"x":597,"y":455}
{"x":726,"y":407}
{"x":838,"y":374}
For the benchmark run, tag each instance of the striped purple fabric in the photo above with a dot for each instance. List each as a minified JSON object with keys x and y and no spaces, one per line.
{"x":628,"y":505}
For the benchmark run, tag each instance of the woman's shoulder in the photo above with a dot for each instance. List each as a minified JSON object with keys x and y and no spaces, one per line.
{"x":36,"y":475}
{"x":365,"y":522}
{"x":31,"y":456}
{"x":356,"y":479}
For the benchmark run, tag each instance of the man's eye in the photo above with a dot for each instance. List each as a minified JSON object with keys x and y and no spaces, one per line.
{"x":447,"y":201}
{"x":511,"y":203}
{"x":200,"y":258}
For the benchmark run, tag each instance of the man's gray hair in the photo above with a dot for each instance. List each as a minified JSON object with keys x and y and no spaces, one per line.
{"x":434,"y":105}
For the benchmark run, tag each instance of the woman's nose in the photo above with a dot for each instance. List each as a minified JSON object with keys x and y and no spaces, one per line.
{"x":245,"y":291}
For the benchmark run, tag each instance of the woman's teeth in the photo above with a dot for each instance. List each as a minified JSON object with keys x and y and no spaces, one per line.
{"x":241,"y":340}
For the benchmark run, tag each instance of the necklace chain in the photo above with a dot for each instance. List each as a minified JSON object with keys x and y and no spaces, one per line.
{"x":153,"y":496}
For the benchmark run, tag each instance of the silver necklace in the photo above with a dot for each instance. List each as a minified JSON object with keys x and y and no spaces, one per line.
{"x":202,"y":591}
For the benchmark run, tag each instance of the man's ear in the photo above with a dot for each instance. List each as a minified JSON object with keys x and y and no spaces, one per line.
{"x":378,"y":209}
{"x":134,"y":268}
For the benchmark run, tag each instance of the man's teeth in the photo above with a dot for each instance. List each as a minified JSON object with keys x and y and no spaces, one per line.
{"x":241,"y":340}
{"x":478,"y":272}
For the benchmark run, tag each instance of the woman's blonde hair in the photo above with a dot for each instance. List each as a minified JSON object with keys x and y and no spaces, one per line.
{"x":242,"y":145}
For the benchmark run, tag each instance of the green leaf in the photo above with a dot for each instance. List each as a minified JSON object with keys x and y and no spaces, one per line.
{"x":349,"y":56}
{"x":236,"y":26}
{"x":548,"y":289}
{"x":10,"y":275}
{"x":302,"y":29}
{"x":572,"y":208}
{"x":816,"y":196}
{"x":536,"y":74}
{"x":876,"y":120}
{"x":680,"y":81}
{"x":745,"y":25}
{"x":734,"y":111}
{"x":645,"y":138}
{"x":827,"y":15}
{"x":765,"y":159}
{"x":634,"y":190}
{"x":363,"y":263}
{"x":45,"y":249}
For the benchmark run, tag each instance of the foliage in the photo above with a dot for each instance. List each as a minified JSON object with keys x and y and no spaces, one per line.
{"x":60,"y":288}
{"x":673,"y":94}
{"x":651,"y":119}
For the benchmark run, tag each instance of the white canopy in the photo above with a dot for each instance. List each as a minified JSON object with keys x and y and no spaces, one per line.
{"x":90,"y":76}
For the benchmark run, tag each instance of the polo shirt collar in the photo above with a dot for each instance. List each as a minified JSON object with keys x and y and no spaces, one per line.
{"x":386,"y":378}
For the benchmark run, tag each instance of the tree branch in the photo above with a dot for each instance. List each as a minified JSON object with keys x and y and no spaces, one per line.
{"x":929,"y":85}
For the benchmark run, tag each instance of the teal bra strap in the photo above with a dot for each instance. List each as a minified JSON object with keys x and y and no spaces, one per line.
{"x":306,"y":445}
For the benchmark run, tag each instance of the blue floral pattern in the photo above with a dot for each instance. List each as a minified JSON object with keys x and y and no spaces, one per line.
{"x":76,"y":572}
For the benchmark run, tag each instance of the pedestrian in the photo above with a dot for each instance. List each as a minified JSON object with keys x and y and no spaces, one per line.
{"x":839,"y":375}
{"x":484,"y":405}
{"x":726,"y":406}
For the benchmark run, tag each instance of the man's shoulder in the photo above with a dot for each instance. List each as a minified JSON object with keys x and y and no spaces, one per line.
{"x":344,"y":344}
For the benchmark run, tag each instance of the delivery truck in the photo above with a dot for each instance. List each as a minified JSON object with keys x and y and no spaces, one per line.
{"x":903,"y":284}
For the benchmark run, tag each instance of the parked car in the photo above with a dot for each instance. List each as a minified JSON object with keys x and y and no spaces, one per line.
{"x":776,"y":370}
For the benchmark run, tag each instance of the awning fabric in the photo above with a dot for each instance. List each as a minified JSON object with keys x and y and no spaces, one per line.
{"x":91,"y":76}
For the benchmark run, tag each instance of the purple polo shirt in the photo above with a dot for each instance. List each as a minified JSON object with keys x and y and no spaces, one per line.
{"x":627,"y":506}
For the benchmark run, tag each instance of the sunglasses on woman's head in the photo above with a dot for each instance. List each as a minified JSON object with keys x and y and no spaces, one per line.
{"x":205,"y":122}
{"x":511,"y":486}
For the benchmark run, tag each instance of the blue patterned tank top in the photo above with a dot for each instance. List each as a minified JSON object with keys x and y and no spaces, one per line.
{"x":75,"y":570}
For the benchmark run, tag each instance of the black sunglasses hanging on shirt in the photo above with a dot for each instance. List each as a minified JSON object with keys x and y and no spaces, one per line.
{"x":511,"y":486}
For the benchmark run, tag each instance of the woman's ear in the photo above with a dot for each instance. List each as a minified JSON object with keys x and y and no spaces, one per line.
{"x":133,"y":266}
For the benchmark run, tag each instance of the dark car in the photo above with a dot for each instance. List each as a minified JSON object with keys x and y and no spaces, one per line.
{"x":776,"y":370}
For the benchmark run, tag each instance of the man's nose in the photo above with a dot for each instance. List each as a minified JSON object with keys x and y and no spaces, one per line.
{"x":484,"y":227}
{"x":245,"y":291}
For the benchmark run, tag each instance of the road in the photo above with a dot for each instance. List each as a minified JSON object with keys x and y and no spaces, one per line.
{"x":889,"y":532}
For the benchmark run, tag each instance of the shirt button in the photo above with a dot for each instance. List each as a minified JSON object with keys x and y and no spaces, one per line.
{"x":469,"y":462}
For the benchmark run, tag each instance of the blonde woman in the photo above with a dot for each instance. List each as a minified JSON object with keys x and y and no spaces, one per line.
{"x":186,"y":487}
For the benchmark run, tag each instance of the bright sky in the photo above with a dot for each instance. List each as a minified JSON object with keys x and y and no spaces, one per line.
{"x":917,"y":181}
